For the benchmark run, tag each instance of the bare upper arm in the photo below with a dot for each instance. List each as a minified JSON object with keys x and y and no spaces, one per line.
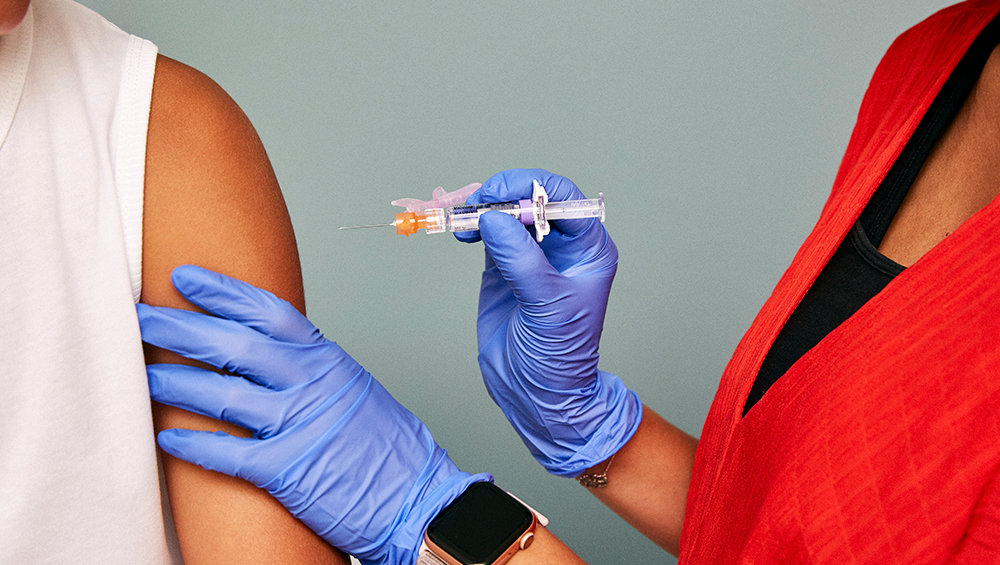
{"x":211,"y":199}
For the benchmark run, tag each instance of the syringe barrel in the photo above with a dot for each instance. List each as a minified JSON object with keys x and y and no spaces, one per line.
{"x":466,"y":217}
{"x":574,"y":209}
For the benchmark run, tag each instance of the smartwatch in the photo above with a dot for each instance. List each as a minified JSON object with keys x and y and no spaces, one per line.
{"x":485,"y":525}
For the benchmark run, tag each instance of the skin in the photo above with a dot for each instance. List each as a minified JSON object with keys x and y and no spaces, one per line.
{"x":959,"y":177}
{"x":649,"y":479}
{"x":198,"y":138}
{"x":11,"y":14}
{"x":211,"y":199}
{"x":647,"y":486}
{"x":650,"y":475}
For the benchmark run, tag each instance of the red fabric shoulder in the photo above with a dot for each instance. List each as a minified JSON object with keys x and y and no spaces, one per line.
{"x":903,"y":87}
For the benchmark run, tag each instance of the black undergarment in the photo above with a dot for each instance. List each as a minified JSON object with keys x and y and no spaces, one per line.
{"x":857,"y":271}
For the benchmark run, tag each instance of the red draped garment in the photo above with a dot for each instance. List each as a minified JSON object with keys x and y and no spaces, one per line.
{"x":882,"y":443}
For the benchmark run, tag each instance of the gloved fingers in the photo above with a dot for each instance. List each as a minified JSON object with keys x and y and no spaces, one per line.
{"x":471,"y":236}
{"x":586,"y":251}
{"x":517,"y":184}
{"x":223,"y":397}
{"x":496,"y":299}
{"x":251,"y":306}
{"x":571,"y":244}
{"x":468,"y":236}
{"x":559,"y":189}
{"x":227,"y":344}
{"x":518,"y":258}
{"x":489,"y":263}
{"x":496,"y":303}
{"x":476,"y":197}
{"x":216,"y":451}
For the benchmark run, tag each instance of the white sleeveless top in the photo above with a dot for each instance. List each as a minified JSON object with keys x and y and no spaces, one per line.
{"x":78,"y":469}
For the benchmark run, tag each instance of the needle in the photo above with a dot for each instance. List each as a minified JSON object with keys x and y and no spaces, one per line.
{"x":371,"y":226}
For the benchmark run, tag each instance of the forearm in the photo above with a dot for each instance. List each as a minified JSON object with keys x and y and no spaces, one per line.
{"x":648,"y":480}
{"x":647,"y":486}
{"x":547,"y":549}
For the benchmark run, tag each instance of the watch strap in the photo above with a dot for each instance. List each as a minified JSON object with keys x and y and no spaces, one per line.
{"x":425,"y":557}
{"x":542,"y":520}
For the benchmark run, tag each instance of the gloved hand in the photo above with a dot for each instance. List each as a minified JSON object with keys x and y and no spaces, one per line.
{"x":541,"y":312}
{"x":328,"y":441}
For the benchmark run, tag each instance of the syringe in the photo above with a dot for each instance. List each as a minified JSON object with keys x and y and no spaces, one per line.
{"x":465,"y":217}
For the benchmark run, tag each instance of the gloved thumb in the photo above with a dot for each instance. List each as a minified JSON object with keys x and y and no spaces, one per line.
{"x":251,"y":306}
{"x":216,"y":451}
{"x":521,"y":262}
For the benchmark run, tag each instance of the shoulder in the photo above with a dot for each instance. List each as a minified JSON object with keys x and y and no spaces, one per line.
{"x":190,"y":111}
{"x":211,"y":197}
{"x":944,"y":35}
{"x":907,"y":78}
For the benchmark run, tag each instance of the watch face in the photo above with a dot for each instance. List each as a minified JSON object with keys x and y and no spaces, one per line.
{"x":478,"y":526}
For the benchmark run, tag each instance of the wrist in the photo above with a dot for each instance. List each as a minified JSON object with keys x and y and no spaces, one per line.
{"x":439,"y":485}
{"x":597,"y":476}
{"x":409,"y":537}
{"x":612,"y":417}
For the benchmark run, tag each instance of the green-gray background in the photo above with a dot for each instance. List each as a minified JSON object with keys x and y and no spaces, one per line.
{"x":714,"y":129}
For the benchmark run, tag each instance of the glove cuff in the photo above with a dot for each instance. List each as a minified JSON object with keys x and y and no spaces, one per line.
{"x":622,"y":412}
{"x":403,"y":546}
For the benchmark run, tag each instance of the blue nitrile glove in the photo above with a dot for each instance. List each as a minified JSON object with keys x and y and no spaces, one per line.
{"x":328,"y":441}
{"x":541,"y":312}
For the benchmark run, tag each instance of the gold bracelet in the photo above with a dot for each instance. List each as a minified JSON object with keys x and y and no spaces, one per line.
{"x":596,"y":481}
